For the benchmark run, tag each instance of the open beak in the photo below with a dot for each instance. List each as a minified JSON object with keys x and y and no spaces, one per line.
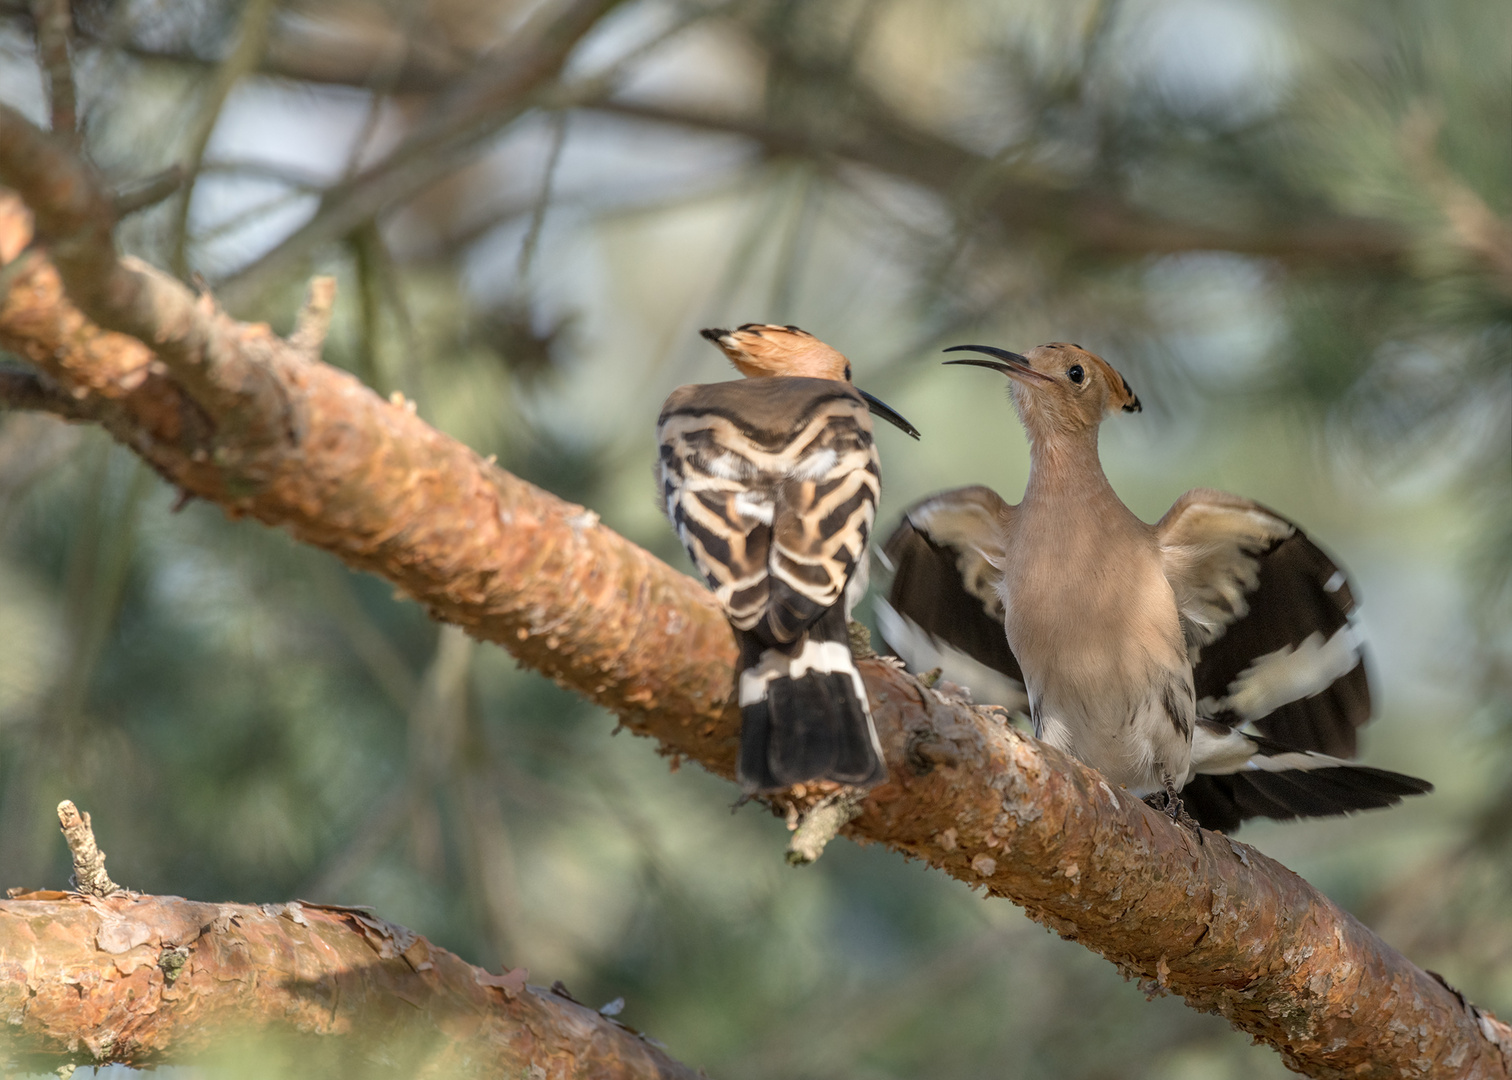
{"x":887,"y":413}
{"x":1012,"y":364}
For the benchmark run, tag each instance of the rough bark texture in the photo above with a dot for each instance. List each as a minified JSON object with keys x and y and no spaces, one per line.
{"x":89,"y":873}
{"x":151,"y":979}
{"x":1219,"y":924}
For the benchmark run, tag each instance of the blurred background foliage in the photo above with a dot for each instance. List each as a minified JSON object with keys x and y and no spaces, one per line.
{"x":1285,"y":222}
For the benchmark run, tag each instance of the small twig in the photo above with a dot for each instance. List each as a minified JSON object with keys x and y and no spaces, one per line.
{"x":314,"y":320}
{"x":246,"y":53}
{"x":483,"y":103}
{"x":1475,"y":226}
{"x":89,"y":874}
{"x":383,"y":292}
{"x":926,"y":749}
{"x":34,"y":392}
{"x":75,"y":215}
{"x":543,"y":198}
{"x":381,"y":82}
{"x":54,"y":22}
{"x":149,"y":191}
{"x":12,"y":270}
{"x":821,"y":825}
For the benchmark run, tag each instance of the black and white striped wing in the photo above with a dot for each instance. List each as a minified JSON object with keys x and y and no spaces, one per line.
{"x":772,"y":485}
{"x":1267,"y":620}
{"x":943,"y":608}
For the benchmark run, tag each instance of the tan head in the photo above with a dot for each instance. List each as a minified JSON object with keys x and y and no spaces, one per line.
{"x":1058,"y":388}
{"x":761,"y":350}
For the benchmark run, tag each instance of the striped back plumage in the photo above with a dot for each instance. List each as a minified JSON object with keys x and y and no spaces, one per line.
{"x":775,"y":510}
{"x":772,"y":486}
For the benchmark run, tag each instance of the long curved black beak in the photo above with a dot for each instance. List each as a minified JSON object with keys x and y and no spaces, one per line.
{"x":886,"y":412}
{"x":1012,"y":364}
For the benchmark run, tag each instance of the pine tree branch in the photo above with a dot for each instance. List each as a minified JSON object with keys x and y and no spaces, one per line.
{"x":1094,"y":223}
{"x":223,"y":364}
{"x":1220,"y":924}
{"x":467,"y":112}
{"x":22,"y":389}
{"x":334,"y":54}
{"x":144,"y":980}
{"x":54,"y":23}
{"x":1100,"y":224}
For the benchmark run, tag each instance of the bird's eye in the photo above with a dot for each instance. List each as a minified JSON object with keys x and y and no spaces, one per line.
{"x":847,"y":373}
{"x":1075,"y":373}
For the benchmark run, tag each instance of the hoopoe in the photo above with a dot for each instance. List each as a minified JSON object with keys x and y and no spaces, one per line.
{"x":772,"y":482}
{"x":1146,"y":651}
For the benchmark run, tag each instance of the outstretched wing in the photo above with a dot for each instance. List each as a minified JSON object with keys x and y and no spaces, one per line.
{"x":772,"y":485}
{"x":943,"y":608}
{"x":1266,"y":616}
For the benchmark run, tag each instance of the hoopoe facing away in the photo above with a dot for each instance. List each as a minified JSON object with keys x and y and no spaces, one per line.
{"x":772,"y":482}
{"x":1143,"y":650}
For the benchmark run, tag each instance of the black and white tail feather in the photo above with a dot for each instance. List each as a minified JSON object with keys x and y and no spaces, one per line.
{"x":772,"y":485}
{"x":1279,"y":674}
{"x":803,"y":710}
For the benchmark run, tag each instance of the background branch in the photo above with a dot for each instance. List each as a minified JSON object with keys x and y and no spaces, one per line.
{"x":21,"y":388}
{"x":54,"y":22}
{"x":245,"y":54}
{"x":470,"y":110}
{"x":75,"y":218}
{"x":148,"y":979}
{"x":1098,"y":223}
{"x":1223,"y":926}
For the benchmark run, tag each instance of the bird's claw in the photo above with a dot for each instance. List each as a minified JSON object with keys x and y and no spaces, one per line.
{"x":1169,"y":803}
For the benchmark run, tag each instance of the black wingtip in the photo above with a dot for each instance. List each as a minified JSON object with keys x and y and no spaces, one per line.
{"x":1223,"y":801}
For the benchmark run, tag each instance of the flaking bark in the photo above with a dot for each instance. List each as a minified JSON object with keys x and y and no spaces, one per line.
{"x":151,"y":979}
{"x":1226,"y":928}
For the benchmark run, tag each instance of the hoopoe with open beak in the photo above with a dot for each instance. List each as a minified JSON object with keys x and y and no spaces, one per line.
{"x":772,"y":482}
{"x":1206,"y":663}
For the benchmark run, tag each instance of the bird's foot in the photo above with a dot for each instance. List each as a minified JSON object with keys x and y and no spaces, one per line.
{"x":1169,"y":803}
